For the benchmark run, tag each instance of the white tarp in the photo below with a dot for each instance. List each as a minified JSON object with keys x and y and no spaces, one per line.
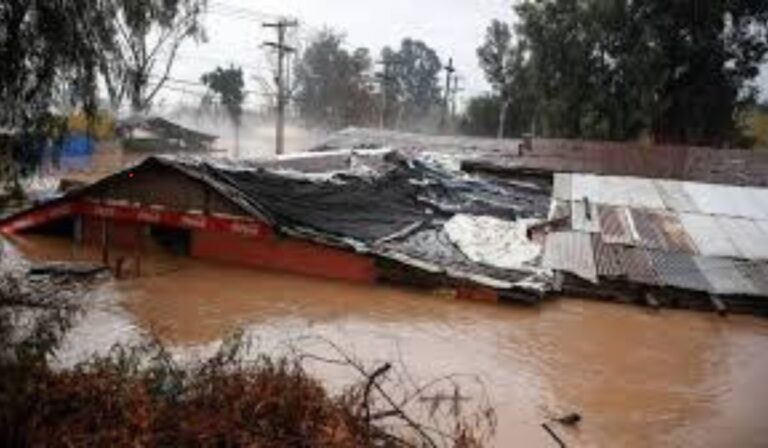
{"x":492,"y":241}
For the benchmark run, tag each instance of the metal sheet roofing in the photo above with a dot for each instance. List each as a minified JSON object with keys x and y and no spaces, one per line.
{"x":585,"y":217}
{"x":585,"y":186}
{"x":645,"y":224}
{"x":608,"y":258}
{"x":561,"y":188}
{"x":757,"y":273}
{"x":724,"y":200}
{"x":615,"y":225}
{"x":673,"y":233}
{"x":746,"y":236}
{"x":571,"y":252}
{"x":725,"y":276}
{"x":639,"y":269}
{"x":709,"y":238}
{"x":678,"y":270}
{"x":674,"y":196}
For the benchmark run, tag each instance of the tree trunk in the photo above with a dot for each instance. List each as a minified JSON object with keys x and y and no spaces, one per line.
{"x":502,"y":119}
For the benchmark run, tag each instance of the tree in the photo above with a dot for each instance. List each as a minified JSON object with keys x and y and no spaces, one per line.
{"x":332,"y":84}
{"x":680,"y":71}
{"x":228,"y":85}
{"x":415,"y":83}
{"x":503,"y":64}
{"x":148,"y":34}
{"x":50,"y":52}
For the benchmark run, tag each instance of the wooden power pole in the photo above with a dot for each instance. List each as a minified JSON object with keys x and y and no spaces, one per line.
{"x":282,"y":50}
{"x":449,"y":70}
{"x":384,"y":78}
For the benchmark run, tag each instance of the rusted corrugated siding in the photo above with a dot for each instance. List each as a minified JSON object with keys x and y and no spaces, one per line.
{"x":571,"y":252}
{"x":673,"y":232}
{"x":678,"y":270}
{"x":646,"y":225}
{"x":638,"y":266}
{"x":725,"y":276}
{"x":614,"y":225}
{"x":608,"y":258}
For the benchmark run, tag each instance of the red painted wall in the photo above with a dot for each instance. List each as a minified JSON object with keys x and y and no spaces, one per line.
{"x":284,"y":254}
{"x":122,"y":235}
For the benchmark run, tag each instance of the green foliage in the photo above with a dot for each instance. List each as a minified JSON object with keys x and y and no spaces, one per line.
{"x":333,"y":87}
{"x":413,"y":79}
{"x":615,"y":69}
{"x":228,"y":84}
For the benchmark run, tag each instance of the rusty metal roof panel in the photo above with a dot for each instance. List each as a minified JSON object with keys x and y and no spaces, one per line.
{"x":608,"y":258}
{"x":561,"y":188}
{"x":585,"y":217}
{"x":725,"y":276}
{"x":674,"y":196}
{"x":678,"y":270}
{"x":674,"y":235}
{"x":614,"y":225}
{"x":646,"y":226}
{"x":707,"y":235}
{"x":571,"y":252}
{"x":750,"y":240}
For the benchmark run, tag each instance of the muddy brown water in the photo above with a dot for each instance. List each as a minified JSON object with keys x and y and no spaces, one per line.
{"x":639,"y":379}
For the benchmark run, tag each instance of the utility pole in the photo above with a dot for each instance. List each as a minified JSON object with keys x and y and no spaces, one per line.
{"x":455,"y":95}
{"x":384,"y":78}
{"x":449,"y":70}
{"x":282,"y":50}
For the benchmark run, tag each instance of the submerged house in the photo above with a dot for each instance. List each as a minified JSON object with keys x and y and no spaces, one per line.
{"x":411,"y":215}
{"x":378,"y":217}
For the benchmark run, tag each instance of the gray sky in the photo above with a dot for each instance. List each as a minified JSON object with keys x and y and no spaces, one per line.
{"x":454,"y":28}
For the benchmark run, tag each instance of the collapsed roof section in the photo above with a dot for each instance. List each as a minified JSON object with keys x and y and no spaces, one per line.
{"x":382,"y":204}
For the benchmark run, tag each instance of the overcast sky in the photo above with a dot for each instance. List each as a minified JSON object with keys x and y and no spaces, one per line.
{"x":454,"y":28}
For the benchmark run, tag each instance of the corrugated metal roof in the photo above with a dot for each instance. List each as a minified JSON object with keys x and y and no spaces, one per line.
{"x":614,"y":225}
{"x":725,"y":276}
{"x":583,"y":218}
{"x":678,"y":270}
{"x":673,"y":233}
{"x":608,"y":258}
{"x":571,"y":252}
{"x":722,"y":200}
{"x":616,"y":191}
{"x":757,"y":273}
{"x":639,"y":269}
{"x":674,"y":196}
{"x":708,"y":236}
{"x":646,"y":225}
{"x":644,"y":194}
{"x":620,"y":191}
{"x":561,"y":188}
{"x":758,"y":197}
{"x":559,"y":209}
{"x":585,"y":186}
{"x":746,"y":236}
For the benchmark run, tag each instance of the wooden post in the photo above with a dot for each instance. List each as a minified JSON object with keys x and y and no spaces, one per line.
{"x":719,"y":305}
{"x":105,"y":241}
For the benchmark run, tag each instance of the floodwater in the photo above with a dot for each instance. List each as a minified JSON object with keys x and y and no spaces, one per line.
{"x":638,"y":378}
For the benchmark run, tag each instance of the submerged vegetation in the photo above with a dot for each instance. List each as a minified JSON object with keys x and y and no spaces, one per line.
{"x":142,"y":396}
